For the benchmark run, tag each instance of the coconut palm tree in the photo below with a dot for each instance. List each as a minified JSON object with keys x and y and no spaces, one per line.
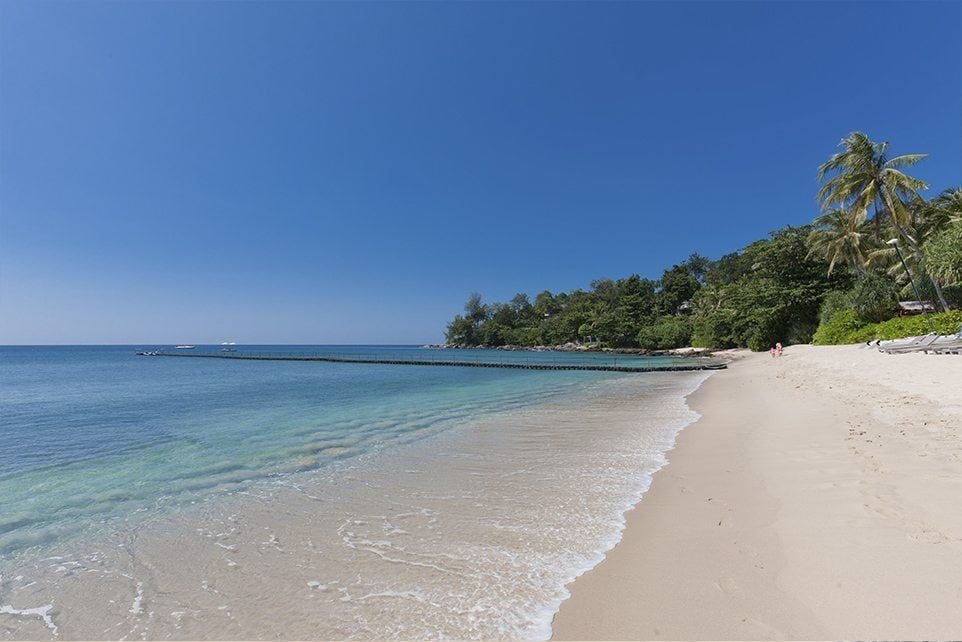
{"x":865,"y":181}
{"x":862,"y":177}
{"x":840,"y":237}
{"x":946,"y":208}
{"x":925,"y":221}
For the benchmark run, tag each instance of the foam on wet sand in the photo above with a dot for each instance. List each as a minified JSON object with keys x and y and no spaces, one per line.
{"x":471,"y":533}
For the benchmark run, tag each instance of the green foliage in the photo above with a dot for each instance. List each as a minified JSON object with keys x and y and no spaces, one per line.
{"x":865,"y":181}
{"x":666,"y":333}
{"x":461,"y":331}
{"x":945,"y":323}
{"x":679,"y":283}
{"x":817,"y":281}
{"x":943,"y":254}
{"x":840,"y":239}
{"x":953,"y":294}
{"x":874,"y":298}
{"x":769,"y":292}
{"x":846,"y":327}
{"x":729,"y":268}
{"x":842,"y":327}
{"x":834,"y":302}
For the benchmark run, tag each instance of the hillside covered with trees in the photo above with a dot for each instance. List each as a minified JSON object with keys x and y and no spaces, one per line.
{"x":840,"y":269}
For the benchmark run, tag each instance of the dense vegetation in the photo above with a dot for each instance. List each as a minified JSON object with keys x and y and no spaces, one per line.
{"x":848,"y":327}
{"x":838,"y":280}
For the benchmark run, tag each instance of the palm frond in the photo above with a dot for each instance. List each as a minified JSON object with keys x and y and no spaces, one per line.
{"x":905,"y":160}
{"x":899,"y":180}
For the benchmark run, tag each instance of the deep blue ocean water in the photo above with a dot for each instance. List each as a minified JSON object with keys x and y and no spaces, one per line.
{"x":93,"y":434}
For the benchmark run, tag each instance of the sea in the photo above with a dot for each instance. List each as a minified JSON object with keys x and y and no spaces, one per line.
{"x":146,"y":497}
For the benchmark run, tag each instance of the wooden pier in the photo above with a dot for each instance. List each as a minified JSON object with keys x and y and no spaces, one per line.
{"x":672,"y":367}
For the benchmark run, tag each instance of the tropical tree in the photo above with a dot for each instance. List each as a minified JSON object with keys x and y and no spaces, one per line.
{"x":946,"y":207}
{"x":776,"y":297}
{"x":840,"y":237}
{"x":869,"y":185}
{"x":862,"y":178}
{"x":943,"y":247}
{"x":679,"y":283}
{"x":943,"y":253}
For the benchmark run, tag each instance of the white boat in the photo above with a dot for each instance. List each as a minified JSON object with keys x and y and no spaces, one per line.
{"x":185,"y":347}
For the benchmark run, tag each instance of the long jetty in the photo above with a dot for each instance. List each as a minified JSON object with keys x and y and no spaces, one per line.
{"x":671,"y":367}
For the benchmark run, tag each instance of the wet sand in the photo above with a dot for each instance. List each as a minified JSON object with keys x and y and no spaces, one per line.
{"x":470,"y":533}
{"x":818,"y":497}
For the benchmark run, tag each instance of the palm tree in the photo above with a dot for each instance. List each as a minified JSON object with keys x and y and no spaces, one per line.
{"x":863,"y":177}
{"x":946,"y":208}
{"x":926,"y":220}
{"x":840,"y":237}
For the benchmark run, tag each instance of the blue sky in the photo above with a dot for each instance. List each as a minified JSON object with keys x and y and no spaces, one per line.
{"x":349,"y":173}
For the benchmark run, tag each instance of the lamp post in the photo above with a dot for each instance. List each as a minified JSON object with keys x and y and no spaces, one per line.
{"x":895,"y":243}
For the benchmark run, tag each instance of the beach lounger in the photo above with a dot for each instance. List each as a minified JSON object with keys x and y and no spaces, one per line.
{"x":899,"y":346}
{"x":946,"y":345}
{"x":930,"y":344}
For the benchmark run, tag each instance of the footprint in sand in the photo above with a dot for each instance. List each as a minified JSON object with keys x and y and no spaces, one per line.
{"x":727,"y":585}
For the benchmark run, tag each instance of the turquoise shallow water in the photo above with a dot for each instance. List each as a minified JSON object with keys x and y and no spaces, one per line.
{"x":161,"y":498}
{"x":89,"y":435}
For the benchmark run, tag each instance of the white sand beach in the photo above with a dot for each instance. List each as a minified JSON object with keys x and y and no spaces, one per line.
{"x":818,"y":497}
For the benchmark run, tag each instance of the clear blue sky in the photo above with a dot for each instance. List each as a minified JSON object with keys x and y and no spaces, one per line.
{"x":349,"y":173}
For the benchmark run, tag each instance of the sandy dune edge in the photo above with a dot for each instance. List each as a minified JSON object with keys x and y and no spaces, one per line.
{"x":820,"y":496}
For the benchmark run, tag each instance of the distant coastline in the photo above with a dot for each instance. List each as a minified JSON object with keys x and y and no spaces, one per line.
{"x":577,"y":347}
{"x":878,"y":251}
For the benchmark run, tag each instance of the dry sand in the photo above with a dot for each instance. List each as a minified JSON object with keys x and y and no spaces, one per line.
{"x":820,"y":496}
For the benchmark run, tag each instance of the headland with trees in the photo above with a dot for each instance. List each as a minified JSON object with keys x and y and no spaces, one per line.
{"x":836,"y":280}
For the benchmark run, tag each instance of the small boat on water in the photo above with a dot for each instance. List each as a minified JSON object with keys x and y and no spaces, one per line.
{"x":185,"y":347}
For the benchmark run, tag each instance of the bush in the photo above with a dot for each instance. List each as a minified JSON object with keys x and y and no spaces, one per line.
{"x":874,"y":297}
{"x":846,"y":327}
{"x":945,"y":323}
{"x":839,"y":329}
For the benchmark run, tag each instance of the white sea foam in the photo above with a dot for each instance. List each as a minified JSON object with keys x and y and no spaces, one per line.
{"x":503,"y":514}
{"x":43,"y":612}
{"x":137,"y":606}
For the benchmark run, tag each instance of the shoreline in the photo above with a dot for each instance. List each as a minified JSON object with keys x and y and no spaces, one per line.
{"x":815,"y":497}
{"x":468,"y":521}
{"x":578,"y":347}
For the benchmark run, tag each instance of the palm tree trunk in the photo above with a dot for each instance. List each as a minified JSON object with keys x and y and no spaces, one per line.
{"x":918,"y":255}
{"x":939,"y":293}
{"x":917,"y":251}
